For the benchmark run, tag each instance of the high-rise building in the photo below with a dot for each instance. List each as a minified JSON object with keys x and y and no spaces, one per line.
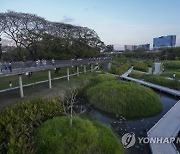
{"x":135,"y":47}
{"x":164,"y":41}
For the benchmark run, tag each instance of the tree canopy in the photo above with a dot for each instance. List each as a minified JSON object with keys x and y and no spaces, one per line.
{"x":41,"y":38}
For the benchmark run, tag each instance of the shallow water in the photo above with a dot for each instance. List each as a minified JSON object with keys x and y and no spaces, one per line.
{"x":121,"y":125}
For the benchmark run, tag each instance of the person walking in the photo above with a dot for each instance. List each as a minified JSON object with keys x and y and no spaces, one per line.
{"x":0,"y":67}
{"x":10,"y":66}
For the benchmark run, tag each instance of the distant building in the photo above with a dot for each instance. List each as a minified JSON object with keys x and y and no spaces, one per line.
{"x":109,"y":48}
{"x":130,"y":47}
{"x":164,"y":41}
{"x":135,"y":47}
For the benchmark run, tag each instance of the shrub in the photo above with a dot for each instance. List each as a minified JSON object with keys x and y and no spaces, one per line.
{"x":101,"y":78}
{"x":120,"y":69}
{"x":124,"y":98}
{"x":137,"y":75}
{"x":56,"y":136}
{"x":174,"y":84}
{"x":18,"y":122}
{"x":170,"y":74}
{"x":141,"y":66}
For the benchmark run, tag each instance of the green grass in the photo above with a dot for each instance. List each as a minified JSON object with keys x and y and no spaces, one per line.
{"x":141,"y":66}
{"x":124,"y":98}
{"x":101,"y":78}
{"x":157,"y":79}
{"x":170,"y":74}
{"x":173,"y":64}
{"x":36,"y":77}
{"x":56,"y":136}
{"x":19,"y":121}
{"x":120,"y":69}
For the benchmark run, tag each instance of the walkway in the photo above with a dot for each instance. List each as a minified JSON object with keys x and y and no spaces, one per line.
{"x":32,"y":66}
{"x":168,"y":126}
{"x":151,"y":85}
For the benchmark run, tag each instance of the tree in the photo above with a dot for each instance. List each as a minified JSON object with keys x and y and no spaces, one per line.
{"x":33,"y":33}
{"x":69,"y":102}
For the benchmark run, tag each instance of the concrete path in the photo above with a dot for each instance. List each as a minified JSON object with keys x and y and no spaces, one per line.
{"x":168,"y":126}
{"x":154,"y":86}
{"x":151,"y":85}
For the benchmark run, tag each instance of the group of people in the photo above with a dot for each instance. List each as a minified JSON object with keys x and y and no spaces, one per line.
{"x":6,"y":66}
{"x":43,"y":62}
{"x":40,"y":62}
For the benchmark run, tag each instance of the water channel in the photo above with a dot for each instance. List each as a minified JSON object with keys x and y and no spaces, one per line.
{"x":120,"y":125}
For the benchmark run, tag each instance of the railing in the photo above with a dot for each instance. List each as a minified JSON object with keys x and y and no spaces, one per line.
{"x":32,"y":66}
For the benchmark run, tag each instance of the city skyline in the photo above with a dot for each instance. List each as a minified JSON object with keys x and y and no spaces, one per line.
{"x":116,"y":22}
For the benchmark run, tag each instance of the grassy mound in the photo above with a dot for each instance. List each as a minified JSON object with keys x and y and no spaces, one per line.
{"x":141,"y":66}
{"x":18,"y":122}
{"x":124,"y":98}
{"x":101,"y":78}
{"x":120,"y":68}
{"x":56,"y":136}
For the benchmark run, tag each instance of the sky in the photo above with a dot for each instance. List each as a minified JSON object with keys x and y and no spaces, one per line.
{"x":117,"y":22}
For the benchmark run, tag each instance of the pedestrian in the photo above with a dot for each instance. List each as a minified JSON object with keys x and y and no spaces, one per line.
{"x":37,"y":63}
{"x":0,"y":67}
{"x":10,"y":84}
{"x":5,"y":66}
{"x":174,"y":76}
{"x":53,"y":62}
{"x":10,"y":66}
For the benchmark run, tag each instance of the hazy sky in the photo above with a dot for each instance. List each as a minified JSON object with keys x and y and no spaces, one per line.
{"x":117,"y":22}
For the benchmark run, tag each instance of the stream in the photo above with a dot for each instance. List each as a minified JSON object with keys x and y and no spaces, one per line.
{"x":120,"y":125}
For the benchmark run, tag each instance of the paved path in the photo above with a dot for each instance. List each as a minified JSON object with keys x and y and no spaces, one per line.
{"x":168,"y":126}
{"x":151,"y":85}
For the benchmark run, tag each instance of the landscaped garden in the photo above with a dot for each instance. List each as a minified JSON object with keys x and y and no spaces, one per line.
{"x":156,"y":79}
{"x":124,"y":98}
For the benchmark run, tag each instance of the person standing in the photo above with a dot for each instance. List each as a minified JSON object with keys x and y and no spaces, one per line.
{"x":174,"y":76}
{"x":10,"y":66}
{"x":10,"y":84}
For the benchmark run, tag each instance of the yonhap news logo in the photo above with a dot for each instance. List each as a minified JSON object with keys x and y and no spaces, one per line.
{"x":129,"y":140}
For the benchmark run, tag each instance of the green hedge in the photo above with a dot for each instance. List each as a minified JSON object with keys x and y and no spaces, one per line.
{"x":124,"y":98}
{"x":141,"y":66}
{"x":101,"y":78}
{"x":170,"y":74}
{"x":172,"y":64}
{"x":18,"y":122}
{"x":56,"y":136}
{"x":120,"y":69}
